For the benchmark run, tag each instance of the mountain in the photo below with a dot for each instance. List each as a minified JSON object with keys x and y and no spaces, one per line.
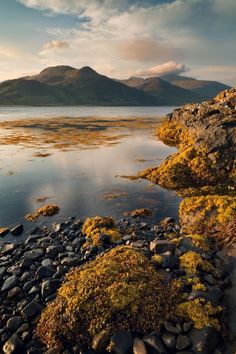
{"x":64,"y":85}
{"x":203,"y":88}
{"x":166,"y":92}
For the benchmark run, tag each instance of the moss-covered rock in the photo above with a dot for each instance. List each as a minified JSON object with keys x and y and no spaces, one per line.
{"x":119,"y":290}
{"x":46,"y":210}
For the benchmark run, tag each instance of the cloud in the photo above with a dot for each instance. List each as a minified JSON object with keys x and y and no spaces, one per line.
{"x":168,"y":68}
{"x":56,"y":44}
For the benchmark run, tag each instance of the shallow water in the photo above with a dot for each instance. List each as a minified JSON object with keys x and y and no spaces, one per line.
{"x":84,"y":182}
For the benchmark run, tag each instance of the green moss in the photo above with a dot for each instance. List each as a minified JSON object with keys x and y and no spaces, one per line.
{"x":119,"y":290}
{"x":202,"y":313}
{"x":93,"y":228}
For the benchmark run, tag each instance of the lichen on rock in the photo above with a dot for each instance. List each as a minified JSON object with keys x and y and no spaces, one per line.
{"x":119,"y":290}
{"x":46,"y":210}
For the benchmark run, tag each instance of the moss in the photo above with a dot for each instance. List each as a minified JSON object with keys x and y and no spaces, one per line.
{"x":94,"y":228}
{"x":119,"y":290}
{"x":192,"y":262}
{"x":226,"y":233}
{"x":46,"y":210}
{"x":200,"y":241}
{"x":206,"y":213}
{"x":156,"y":258}
{"x":202,"y":313}
{"x":4,"y":231}
{"x":199,"y":286}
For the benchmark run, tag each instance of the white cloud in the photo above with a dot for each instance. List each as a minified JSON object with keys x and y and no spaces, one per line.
{"x":56,"y":44}
{"x":168,"y":68}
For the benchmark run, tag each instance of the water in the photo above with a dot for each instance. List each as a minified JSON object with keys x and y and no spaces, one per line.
{"x":79,"y":181}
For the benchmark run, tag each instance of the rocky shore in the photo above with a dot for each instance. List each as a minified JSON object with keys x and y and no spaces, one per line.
{"x":32,"y":271}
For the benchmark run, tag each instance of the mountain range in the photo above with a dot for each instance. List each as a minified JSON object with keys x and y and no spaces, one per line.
{"x":64,"y":85}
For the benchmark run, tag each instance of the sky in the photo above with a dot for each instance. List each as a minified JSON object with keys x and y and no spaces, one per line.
{"x":120,"y":38}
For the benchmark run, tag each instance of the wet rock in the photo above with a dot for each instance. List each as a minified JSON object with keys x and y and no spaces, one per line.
{"x":9,"y":283}
{"x":34,"y":254}
{"x":208,"y":297}
{"x":209,"y":279}
{"x":4,"y":232}
{"x":101,"y":341}
{"x":31,"y":310}
{"x":204,"y":340}
{"x":187,"y":326}
{"x":139,"y":346}
{"x":53,"y":250}
{"x":183,"y":342}
{"x":122,"y":342}
{"x":49,"y":287}
{"x":154,"y":344}
{"x":2,"y":271}
{"x":14,"y":345}
{"x":14,"y":292}
{"x":170,"y":262}
{"x":44,"y":272}
{"x":17,"y":230}
{"x":7,"y":248}
{"x":173,"y":327}
{"x":169,"y":340}
{"x":14,"y":323}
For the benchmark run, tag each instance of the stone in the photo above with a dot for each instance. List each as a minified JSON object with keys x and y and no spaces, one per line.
{"x":9,"y":283}
{"x":139,"y":346}
{"x":7,"y":248}
{"x":31,"y":310}
{"x":49,"y":287}
{"x":209,"y":279}
{"x":170,"y":262}
{"x":122,"y":342}
{"x":14,"y":292}
{"x":154,"y":344}
{"x":187,"y":326}
{"x":53,"y":250}
{"x":17,"y":230}
{"x":183,"y":342}
{"x":44,"y":272}
{"x":204,"y":340}
{"x":209,"y":297}
{"x":14,"y":323}
{"x":161,"y":246}
{"x":2,"y":271}
{"x":34,"y":254}
{"x":4,"y":231}
{"x":100,"y":341}
{"x":168,"y":220}
{"x":14,"y":345}
{"x":173,"y":327}
{"x":169,"y":340}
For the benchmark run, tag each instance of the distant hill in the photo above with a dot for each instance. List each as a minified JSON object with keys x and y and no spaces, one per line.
{"x":64,"y":85}
{"x":163,"y":90}
{"x":203,"y":88}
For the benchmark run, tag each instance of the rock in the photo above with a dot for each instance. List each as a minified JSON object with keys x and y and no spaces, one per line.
{"x":101,"y":341}
{"x":14,"y":323}
{"x":53,"y":250}
{"x":7,"y":248}
{"x":173,"y":327}
{"x":17,"y":230}
{"x":9,"y":283}
{"x":31,"y":310}
{"x":139,"y":346}
{"x":169,"y":340}
{"x":14,"y":345}
{"x":4,"y":231}
{"x":187,"y":326}
{"x":34,"y":254}
{"x":2,"y":271}
{"x":204,"y":340}
{"x":170,"y":262}
{"x":209,"y":279}
{"x":14,"y":292}
{"x":122,"y":342}
{"x":44,"y":272}
{"x":183,"y":342}
{"x":168,"y":220}
{"x":207,"y":296}
{"x":154,"y":344}
{"x":161,"y":246}
{"x":49,"y":287}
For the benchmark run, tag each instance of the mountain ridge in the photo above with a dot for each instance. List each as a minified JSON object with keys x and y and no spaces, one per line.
{"x":65,"y":85}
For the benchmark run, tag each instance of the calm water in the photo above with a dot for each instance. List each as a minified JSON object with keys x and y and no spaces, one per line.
{"x":78,"y":180}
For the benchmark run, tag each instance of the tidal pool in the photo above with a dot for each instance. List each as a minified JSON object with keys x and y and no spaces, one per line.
{"x":83,"y":172}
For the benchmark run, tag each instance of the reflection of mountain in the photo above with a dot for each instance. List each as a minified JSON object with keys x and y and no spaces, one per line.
{"x":64,"y":85}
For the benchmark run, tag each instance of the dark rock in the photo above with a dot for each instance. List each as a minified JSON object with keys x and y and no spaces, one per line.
{"x":53,"y":250}
{"x":31,"y":310}
{"x":154,"y":344}
{"x":44,"y":272}
{"x":170,"y":262}
{"x":169,"y":340}
{"x":2,"y":271}
{"x":17,"y":230}
{"x":187,"y":326}
{"x":168,"y":220}
{"x":204,"y":340}
{"x":161,"y":246}
{"x":209,"y":279}
{"x":9,"y":283}
{"x":122,"y":342}
{"x":7,"y":248}
{"x":173,"y":327}
{"x":101,"y":341}
{"x":4,"y":232}
{"x":139,"y":346}
{"x":14,"y":323}
{"x":28,"y":285}
{"x":14,"y":292}
{"x":34,"y":254}
{"x":14,"y":345}
{"x":49,"y":287}
{"x":208,"y":297}
{"x":183,"y":342}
